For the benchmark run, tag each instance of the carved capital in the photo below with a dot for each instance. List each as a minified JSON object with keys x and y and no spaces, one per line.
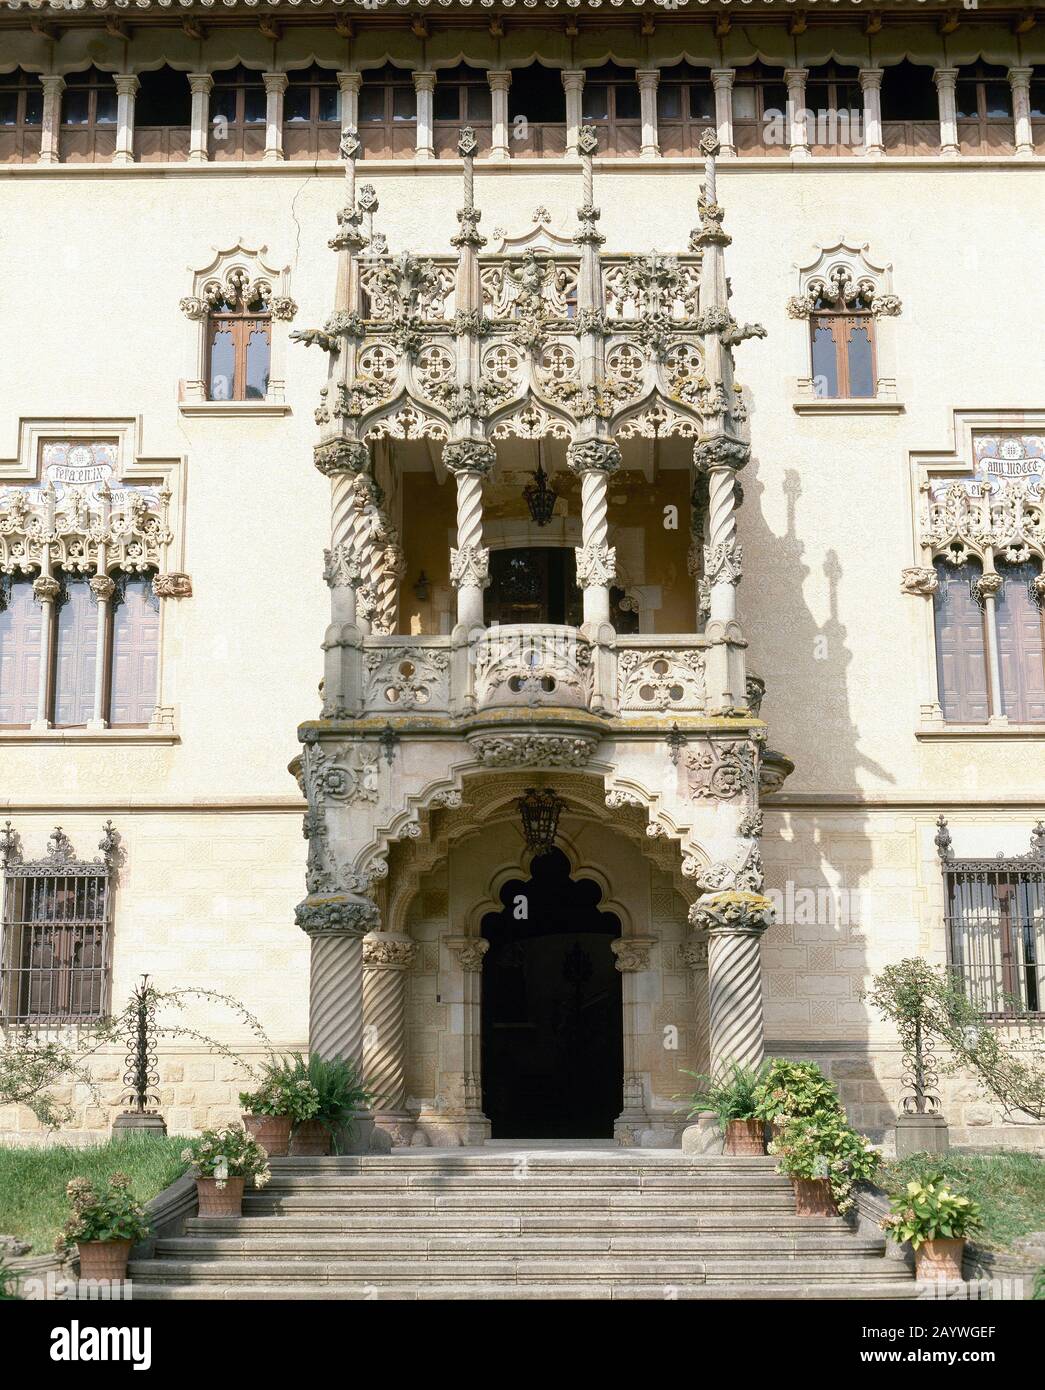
{"x":46,"y":589}
{"x":102,"y":587}
{"x":723,"y":563}
{"x":987,"y":586}
{"x":596,"y":565}
{"x":720,"y":451}
{"x":342,"y":568}
{"x":388,"y":951}
{"x":468,"y":951}
{"x":470,"y":456}
{"x":919,"y":579}
{"x":341,"y":456}
{"x":470,"y":565}
{"x":632,"y":953}
{"x":734,"y":913}
{"x":337,"y":915}
{"x":593,"y":456}
{"x":174,"y":584}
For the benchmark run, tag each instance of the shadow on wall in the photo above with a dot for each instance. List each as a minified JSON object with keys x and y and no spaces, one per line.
{"x":818,"y":859}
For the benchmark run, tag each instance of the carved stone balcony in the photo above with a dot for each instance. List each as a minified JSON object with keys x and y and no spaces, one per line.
{"x":535,"y":666}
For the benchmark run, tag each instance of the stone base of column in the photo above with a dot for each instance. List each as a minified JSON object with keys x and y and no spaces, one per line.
{"x":634,"y":1118}
{"x":399,"y":1125}
{"x":356,"y":1138}
{"x":448,"y":1129}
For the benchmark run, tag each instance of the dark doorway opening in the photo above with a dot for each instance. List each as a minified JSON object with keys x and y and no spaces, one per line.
{"x":536,"y":584}
{"x":553,"y":1049}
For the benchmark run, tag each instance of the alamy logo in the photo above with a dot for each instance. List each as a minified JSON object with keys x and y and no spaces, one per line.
{"x":76,"y":1343}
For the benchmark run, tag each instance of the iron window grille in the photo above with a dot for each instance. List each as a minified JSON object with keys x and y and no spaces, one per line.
{"x":995,"y":914}
{"x":55,"y":955}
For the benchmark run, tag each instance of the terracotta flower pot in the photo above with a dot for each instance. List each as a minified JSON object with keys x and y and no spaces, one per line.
{"x":104,"y":1260}
{"x":940,"y":1258}
{"x":745,"y":1138}
{"x":813,"y":1197}
{"x":223,"y":1200}
{"x":310,"y":1140}
{"x":271,"y":1131}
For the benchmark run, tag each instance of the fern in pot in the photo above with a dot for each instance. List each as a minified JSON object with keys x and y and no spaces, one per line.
{"x":285,"y":1098}
{"x":731,"y":1095}
{"x":339,"y":1095}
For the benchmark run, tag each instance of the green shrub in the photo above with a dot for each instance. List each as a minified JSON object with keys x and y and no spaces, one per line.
{"x":229,"y":1152}
{"x":826,"y":1146}
{"x":731,"y":1094}
{"x":284,"y":1090}
{"x":109,"y":1214}
{"x":339,"y":1092}
{"x":929,"y":1210}
{"x":792,"y":1090}
{"x":8,"y":1284}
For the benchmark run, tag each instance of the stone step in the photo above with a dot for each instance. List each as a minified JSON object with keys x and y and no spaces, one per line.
{"x":878,"y":1289}
{"x":525,"y":1219}
{"x":468,"y":1243}
{"x":458,"y":1161}
{"x":591,"y":1267}
{"x":564,"y":1183}
{"x":782,"y":1202}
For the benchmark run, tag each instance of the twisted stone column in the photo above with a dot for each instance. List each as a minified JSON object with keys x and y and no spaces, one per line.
{"x":734,"y":923}
{"x":593,"y":461}
{"x":720,"y":457}
{"x":335,"y":925}
{"x":632,"y":954}
{"x":387,"y":957}
{"x":695,"y":956}
{"x":470,"y":461}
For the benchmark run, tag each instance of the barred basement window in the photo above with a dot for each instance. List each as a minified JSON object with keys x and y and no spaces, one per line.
{"x":55,"y":955}
{"x":995,"y":914}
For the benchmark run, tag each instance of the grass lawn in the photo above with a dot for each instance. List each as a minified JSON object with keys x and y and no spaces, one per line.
{"x":1009,"y":1186}
{"x":33,"y":1204}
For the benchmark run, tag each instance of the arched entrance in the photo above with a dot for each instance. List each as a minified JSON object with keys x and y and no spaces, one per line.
{"x":552,"y":1030}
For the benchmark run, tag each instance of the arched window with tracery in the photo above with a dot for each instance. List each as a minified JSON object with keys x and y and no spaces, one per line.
{"x":239,"y":340}
{"x":842,"y":339}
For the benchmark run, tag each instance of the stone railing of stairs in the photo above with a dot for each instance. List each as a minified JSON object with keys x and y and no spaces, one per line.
{"x":521,"y":1225}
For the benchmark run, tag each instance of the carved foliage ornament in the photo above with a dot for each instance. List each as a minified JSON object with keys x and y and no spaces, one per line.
{"x":721,"y":770}
{"x":533,"y":750}
{"x":660,"y":680}
{"x":135,"y":532}
{"x":732,"y":913}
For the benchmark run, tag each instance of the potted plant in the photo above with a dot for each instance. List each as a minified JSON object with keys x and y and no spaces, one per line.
{"x":339,"y":1094}
{"x":221,"y":1160}
{"x":824,"y":1156}
{"x":730,"y":1094}
{"x":794,"y":1090}
{"x":103,"y":1226}
{"x":284,"y":1098}
{"x":936,"y":1221}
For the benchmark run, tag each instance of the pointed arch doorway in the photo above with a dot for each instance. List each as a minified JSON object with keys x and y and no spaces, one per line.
{"x":552,"y":1018}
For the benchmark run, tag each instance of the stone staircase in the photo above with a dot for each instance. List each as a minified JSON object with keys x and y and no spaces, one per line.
{"x":520,"y":1223}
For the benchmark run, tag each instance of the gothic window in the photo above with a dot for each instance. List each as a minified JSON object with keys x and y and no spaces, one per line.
{"x":239,"y":333}
{"x":238,"y":108}
{"x":20,"y":636}
{"x":537,"y":111}
{"x":311,"y":114}
{"x":961,"y":643}
{"x":836,"y":102}
{"x":910,"y":110}
{"x":983,"y":102}
{"x":462,"y":97}
{"x":21,"y":116}
{"x":610,"y":102}
{"x":387,"y":112}
{"x":135,"y":651}
{"x":162,"y":116}
{"x":128,"y":638}
{"x":55,"y":959}
{"x":842,"y":337}
{"x":75,"y":650}
{"x":685,"y":108}
{"x":88,"y":132}
{"x":759,"y":101}
{"x":1021,"y":662}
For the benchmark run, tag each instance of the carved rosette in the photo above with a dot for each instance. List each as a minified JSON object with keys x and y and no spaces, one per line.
{"x":919,"y":579}
{"x":734,"y":923}
{"x":468,"y":952}
{"x":632,"y":953}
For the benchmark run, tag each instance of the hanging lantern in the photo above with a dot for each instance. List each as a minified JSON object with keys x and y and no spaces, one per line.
{"x":540,"y":497}
{"x":540,"y":810}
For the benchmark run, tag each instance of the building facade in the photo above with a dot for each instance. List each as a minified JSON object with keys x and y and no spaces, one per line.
{"x":631,"y":419}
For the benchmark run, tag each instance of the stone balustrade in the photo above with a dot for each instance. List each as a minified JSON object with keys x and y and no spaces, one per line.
{"x":534,"y":666}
